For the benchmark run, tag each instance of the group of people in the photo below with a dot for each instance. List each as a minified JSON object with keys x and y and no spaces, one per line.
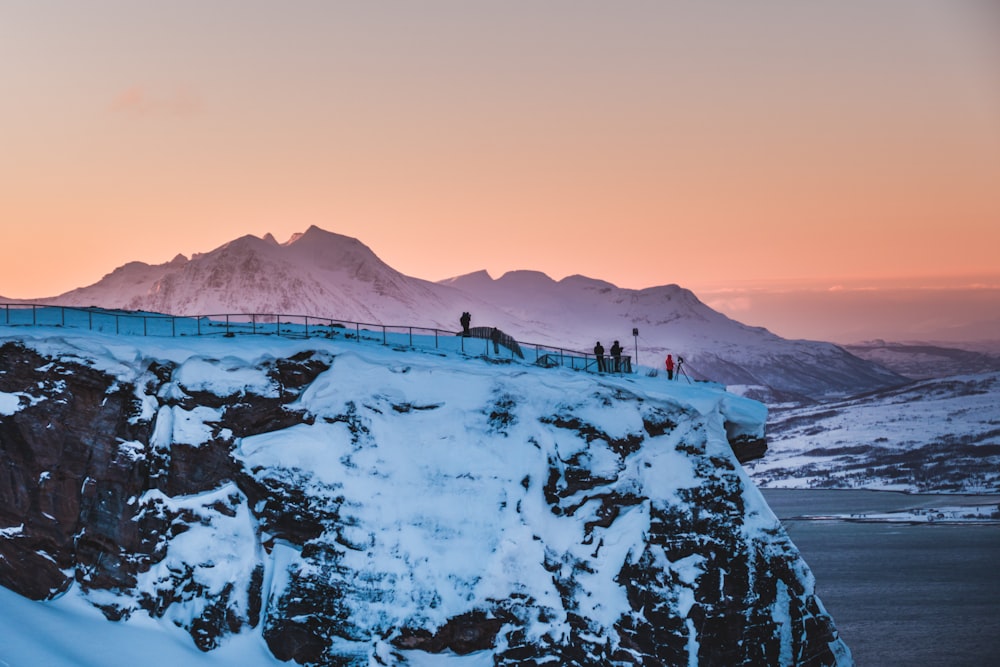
{"x":616,"y":360}
{"x":616,"y":357}
{"x":602,"y":366}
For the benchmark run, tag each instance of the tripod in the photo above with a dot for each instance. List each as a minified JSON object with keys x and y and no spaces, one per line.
{"x":680,"y":370}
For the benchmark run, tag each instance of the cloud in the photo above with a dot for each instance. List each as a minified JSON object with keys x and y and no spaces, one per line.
{"x":138,"y":101}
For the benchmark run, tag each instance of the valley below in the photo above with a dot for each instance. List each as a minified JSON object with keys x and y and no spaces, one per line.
{"x":940,"y":435}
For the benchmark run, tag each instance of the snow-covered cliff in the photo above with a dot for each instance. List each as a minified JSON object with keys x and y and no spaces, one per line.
{"x":355,"y":505}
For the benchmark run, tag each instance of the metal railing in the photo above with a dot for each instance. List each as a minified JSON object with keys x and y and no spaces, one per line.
{"x":139,"y":323}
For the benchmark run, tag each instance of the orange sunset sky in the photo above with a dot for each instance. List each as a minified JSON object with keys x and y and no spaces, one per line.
{"x":709,"y":144}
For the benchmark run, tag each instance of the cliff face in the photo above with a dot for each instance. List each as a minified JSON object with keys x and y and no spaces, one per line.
{"x":360,"y":507}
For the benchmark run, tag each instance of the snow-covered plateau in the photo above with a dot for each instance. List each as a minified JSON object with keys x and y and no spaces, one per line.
{"x":253,"y":500}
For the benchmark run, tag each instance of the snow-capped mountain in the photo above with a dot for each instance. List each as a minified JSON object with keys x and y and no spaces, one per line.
{"x":333,"y":503}
{"x":328,"y":275}
{"x":671,"y":319}
{"x":315,"y":273}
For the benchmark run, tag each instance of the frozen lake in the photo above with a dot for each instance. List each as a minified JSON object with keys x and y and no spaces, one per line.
{"x":901,"y":594}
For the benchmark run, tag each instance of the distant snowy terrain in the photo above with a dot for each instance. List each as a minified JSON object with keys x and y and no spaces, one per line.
{"x":935,"y":435}
{"x":337,"y":503}
{"x":921,"y":361}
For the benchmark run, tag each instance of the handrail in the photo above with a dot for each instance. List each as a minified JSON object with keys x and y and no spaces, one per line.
{"x":126,"y":322}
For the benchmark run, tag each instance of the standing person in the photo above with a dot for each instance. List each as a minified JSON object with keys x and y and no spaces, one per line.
{"x":670,"y":367}
{"x":495,"y":337}
{"x":616,"y":357}
{"x":599,"y":353}
{"x":465,"y":319}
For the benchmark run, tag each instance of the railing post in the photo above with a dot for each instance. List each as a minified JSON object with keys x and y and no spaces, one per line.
{"x":357,"y":331}
{"x":227,"y":324}
{"x":253,"y":323}
{"x":116,"y":324}
{"x":411,"y":336}
{"x":34,"y":318}
{"x":90,"y":319}
{"x":173,"y":327}
{"x":198,"y":325}
{"x":384,"y":341}
{"x":144,"y":332}
{"x":62,"y":315}
{"x":307,"y":326}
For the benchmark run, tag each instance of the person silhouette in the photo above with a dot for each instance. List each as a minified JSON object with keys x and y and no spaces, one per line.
{"x":599,"y":353}
{"x":616,"y":357}
{"x":670,"y":367}
{"x":465,"y":319}
{"x":495,"y":337}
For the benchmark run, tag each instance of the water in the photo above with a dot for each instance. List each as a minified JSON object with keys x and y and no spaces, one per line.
{"x":916,"y":595}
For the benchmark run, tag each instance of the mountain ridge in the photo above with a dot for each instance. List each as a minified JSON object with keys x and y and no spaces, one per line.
{"x":325,"y":274}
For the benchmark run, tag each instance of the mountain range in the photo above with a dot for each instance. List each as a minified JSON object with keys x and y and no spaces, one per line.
{"x":323,"y":274}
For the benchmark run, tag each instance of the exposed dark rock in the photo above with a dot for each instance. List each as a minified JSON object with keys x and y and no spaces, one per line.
{"x":463,"y":634}
{"x":69,"y":473}
{"x":748,"y":447}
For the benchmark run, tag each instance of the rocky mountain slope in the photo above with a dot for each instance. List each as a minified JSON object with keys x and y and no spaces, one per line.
{"x":323,"y":274}
{"x":356,"y":505}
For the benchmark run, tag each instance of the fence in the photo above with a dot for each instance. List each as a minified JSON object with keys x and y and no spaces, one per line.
{"x":139,"y":323}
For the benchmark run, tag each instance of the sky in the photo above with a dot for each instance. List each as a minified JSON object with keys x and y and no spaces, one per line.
{"x":708,"y":144}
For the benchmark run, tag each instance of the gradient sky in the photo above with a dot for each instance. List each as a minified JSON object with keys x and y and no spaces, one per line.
{"x":644,"y":143}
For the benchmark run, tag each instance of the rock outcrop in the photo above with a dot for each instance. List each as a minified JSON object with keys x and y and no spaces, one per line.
{"x":355,"y":507}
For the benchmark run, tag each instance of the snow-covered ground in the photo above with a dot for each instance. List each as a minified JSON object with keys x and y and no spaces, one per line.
{"x":70,"y":632}
{"x":426,"y":553}
{"x":983,"y":511}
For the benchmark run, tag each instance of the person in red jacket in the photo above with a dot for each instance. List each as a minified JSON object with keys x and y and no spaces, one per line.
{"x":670,"y":367}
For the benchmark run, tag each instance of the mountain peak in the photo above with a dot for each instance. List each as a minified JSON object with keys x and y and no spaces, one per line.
{"x":579,"y":280}
{"x":525,"y":273}
{"x":316,"y":234}
{"x":329,"y":250}
{"x":476,"y":279}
